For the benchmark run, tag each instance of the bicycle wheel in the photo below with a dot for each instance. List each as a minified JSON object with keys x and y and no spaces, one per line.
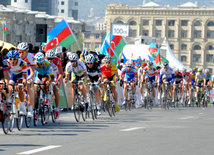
{"x":35,"y":117}
{"x":6,"y":122}
{"x":53,"y":113}
{"x":19,"y":121}
{"x":108,"y":104}
{"x":91,"y":103}
{"x":27,"y":120}
{"x":113,"y":110}
{"x":45,"y":115}
{"x":76,"y":108}
{"x":84,"y":113}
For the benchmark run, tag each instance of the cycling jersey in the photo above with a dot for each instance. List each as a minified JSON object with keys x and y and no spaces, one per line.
{"x":150,"y":73}
{"x":4,"y":66}
{"x":78,"y":71}
{"x":21,"y":67}
{"x":30,"y":60}
{"x":129,"y":75}
{"x":169,"y":74}
{"x":178,"y":77}
{"x":45,"y":70}
{"x":200,"y":77}
{"x":186,"y":78}
{"x":108,"y":71}
{"x":94,"y":72}
{"x":208,"y":77}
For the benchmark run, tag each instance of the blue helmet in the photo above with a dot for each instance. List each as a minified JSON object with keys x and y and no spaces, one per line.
{"x":39,"y":57}
{"x":13,"y":54}
{"x":165,"y":64}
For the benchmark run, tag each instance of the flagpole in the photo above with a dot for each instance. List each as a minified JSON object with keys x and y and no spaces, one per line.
{"x":110,"y":38}
{"x":3,"y":36}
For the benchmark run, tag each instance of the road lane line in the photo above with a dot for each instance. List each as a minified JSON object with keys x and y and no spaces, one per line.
{"x":40,"y":149}
{"x":188,"y":117}
{"x":131,"y":129}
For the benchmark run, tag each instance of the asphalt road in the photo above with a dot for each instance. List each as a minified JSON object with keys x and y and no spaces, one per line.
{"x":184,"y":131}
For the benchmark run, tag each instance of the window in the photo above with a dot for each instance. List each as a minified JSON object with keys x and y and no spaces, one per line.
{"x":171,"y":33}
{"x":15,"y":1}
{"x":158,"y":33}
{"x":62,"y":3}
{"x":133,"y":23}
{"x":183,"y":46}
{"x":145,"y":22}
{"x":197,"y":23}
{"x":184,"y":22}
{"x":183,"y":58}
{"x":87,"y":45}
{"x":183,"y":33}
{"x":171,"y":46}
{"x":210,"y":47}
{"x":132,"y":33}
{"x":62,"y":11}
{"x":197,"y":47}
{"x":97,"y":36}
{"x":197,"y":33}
{"x":210,"y":34}
{"x":26,"y":1}
{"x":196,"y":57}
{"x":171,"y":23}
{"x":119,"y":22}
{"x":76,"y":3}
{"x":145,"y":32}
{"x":158,"y":22}
{"x":209,"y":57}
{"x":211,"y":23}
{"x":87,"y":35}
{"x":211,"y":70}
{"x":97,"y":45}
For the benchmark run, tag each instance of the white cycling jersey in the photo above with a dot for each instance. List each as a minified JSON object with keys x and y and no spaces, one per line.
{"x":167,"y":73}
{"x":201,"y":76}
{"x":79,"y":70}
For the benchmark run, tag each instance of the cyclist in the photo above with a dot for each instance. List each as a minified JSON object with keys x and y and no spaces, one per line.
{"x":18,"y":75}
{"x":110,"y":73}
{"x":58,"y":52}
{"x":140,"y":79}
{"x":4,"y":77}
{"x":200,"y":81}
{"x":130,"y":75}
{"x":94,"y":74}
{"x":186,"y":82}
{"x":58,"y":73}
{"x":168,"y":73}
{"x":208,"y":76}
{"x":23,"y":49}
{"x":178,"y":81}
{"x":79,"y":71}
{"x":150,"y":75}
{"x":43,"y":74}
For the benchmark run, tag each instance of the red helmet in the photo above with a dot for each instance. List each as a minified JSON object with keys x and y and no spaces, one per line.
{"x":144,"y":64}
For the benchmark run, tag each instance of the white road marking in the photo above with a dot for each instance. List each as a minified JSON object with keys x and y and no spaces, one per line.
{"x":131,"y":129}
{"x":40,"y":149}
{"x":188,"y":117}
{"x":201,"y":113}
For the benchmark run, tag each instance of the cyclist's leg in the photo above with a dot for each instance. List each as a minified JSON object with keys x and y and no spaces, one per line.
{"x":125,"y":91}
{"x":44,"y":80}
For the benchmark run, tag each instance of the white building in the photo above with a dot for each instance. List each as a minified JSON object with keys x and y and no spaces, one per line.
{"x":68,"y":8}
{"x":22,"y":3}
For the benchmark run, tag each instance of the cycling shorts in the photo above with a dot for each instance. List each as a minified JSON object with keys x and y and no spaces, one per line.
{"x":15,"y":77}
{"x":151,"y":78}
{"x":39,"y":77}
{"x":111,"y":79}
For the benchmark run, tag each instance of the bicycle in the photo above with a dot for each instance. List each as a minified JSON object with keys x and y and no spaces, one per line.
{"x":92,"y":102}
{"x":52,"y":108}
{"x":148,"y":99}
{"x":193,"y":98}
{"x":185,"y":96}
{"x":177,"y":95}
{"x":28,"y":120}
{"x":166,"y":99}
{"x":4,"y":113}
{"x":200,"y":96}
{"x":206,"y":97}
{"x":40,"y":107}
{"x":16,"y":108}
{"x":109,"y":104}
{"x":130,"y":102}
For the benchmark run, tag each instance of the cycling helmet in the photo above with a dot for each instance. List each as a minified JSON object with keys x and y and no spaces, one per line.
{"x":50,"y":53}
{"x":129,"y":63}
{"x":184,"y":70}
{"x":73,"y":57}
{"x":200,"y":69}
{"x":143,"y":64}
{"x":68,"y":54}
{"x":89,"y":58}
{"x":107,"y":58}
{"x":176,"y":70}
{"x":165,"y":64}
{"x":150,"y":63}
{"x":207,"y":70}
{"x":13,"y":54}
{"x":23,"y":46}
{"x":59,"y":50}
{"x":39,"y":57}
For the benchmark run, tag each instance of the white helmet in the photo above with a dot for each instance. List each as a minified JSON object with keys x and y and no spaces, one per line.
{"x":23,"y":46}
{"x":59,"y":50}
{"x":129,"y":63}
{"x":89,"y":58}
{"x":73,"y":57}
{"x":68,"y":54}
{"x":50,"y":53}
{"x":39,"y":57}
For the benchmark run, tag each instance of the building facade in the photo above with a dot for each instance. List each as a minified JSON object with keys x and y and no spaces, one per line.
{"x":22,"y":3}
{"x":48,"y":6}
{"x":5,"y":2}
{"x":93,"y":40}
{"x":68,"y":8}
{"x":188,"y":28}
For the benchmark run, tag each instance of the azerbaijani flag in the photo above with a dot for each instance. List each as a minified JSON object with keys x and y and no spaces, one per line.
{"x":5,"y":29}
{"x":61,"y":35}
{"x":114,"y":48}
{"x":137,"y":62}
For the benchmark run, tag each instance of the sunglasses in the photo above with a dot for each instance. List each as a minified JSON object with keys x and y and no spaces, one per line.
{"x":50,"y":58}
{"x":73,"y":61}
{"x":22,"y":52}
{"x":89,"y":63}
{"x":108,"y":62}
{"x":40,"y":63}
{"x":129,"y":66}
{"x":13,"y":58}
